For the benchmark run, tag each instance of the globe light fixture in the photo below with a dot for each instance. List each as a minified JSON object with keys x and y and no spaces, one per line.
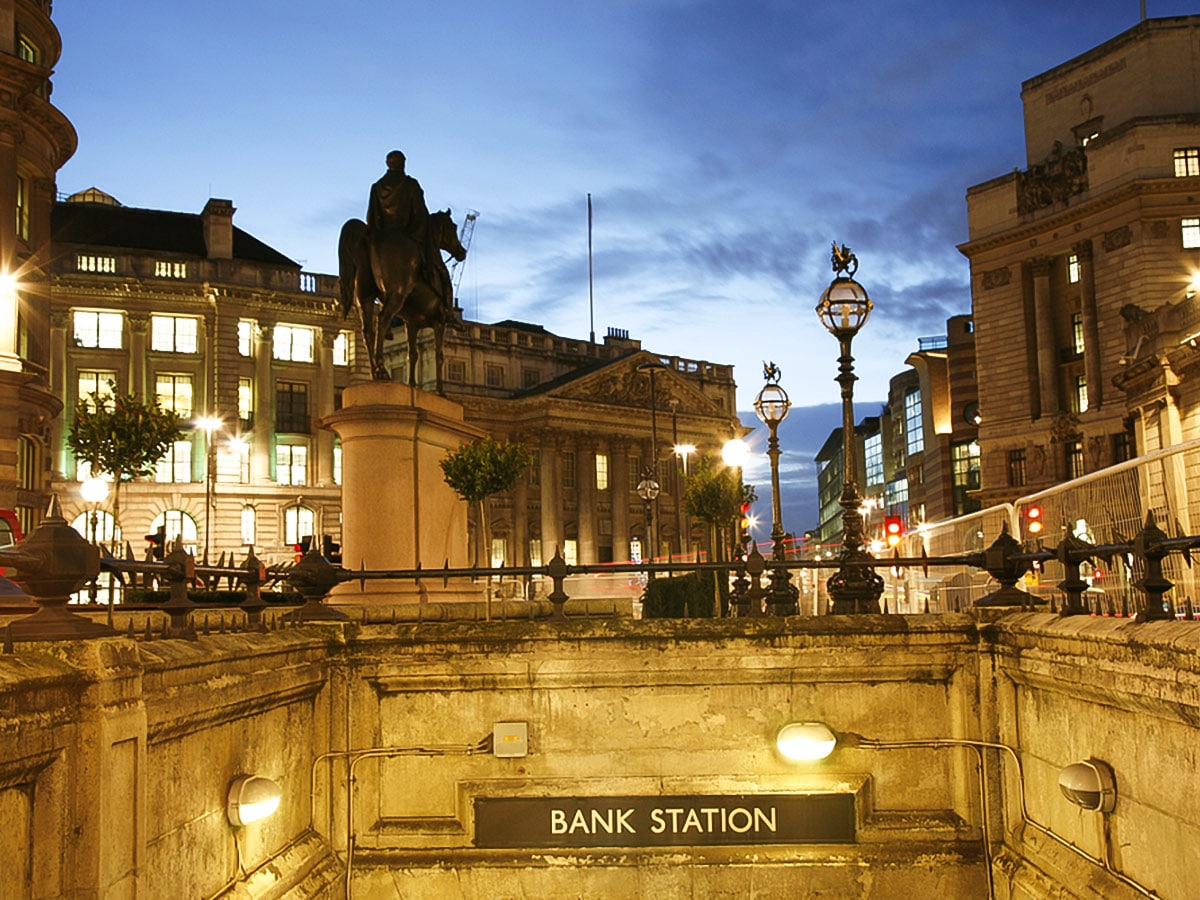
{"x":772,"y":406}
{"x":843,"y":309}
{"x":805,"y":741}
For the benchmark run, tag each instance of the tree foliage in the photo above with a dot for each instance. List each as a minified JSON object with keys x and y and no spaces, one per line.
{"x":477,"y":470}
{"x":122,"y":436}
{"x":480,"y":469}
{"x":715,"y":494}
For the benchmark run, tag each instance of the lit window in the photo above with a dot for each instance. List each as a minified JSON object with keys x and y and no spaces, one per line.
{"x":1073,"y":269}
{"x":248,"y":523}
{"x":176,"y":465}
{"x":297,"y":524}
{"x":913,"y":424}
{"x":96,"y":384}
{"x":337,"y":462}
{"x":1191,"y":232}
{"x":165,"y":268}
{"x":242,"y":449}
{"x":1187,"y":162}
{"x":308,"y":282}
{"x":101,"y":330}
{"x":535,"y":552}
{"x":341,"y":349}
{"x":174,"y":334}
{"x":1080,"y":396}
{"x":873,"y":455}
{"x":1077,"y":333}
{"x":293,"y":343}
{"x":499,"y":546}
{"x":246,"y":403}
{"x":29,"y":51}
{"x":98,"y":264}
{"x":602,"y":471}
{"x":571,"y":552}
{"x":22,"y":210}
{"x":291,"y":465}
{"x":245,"y":338}
{"x":174,"y":393}
{"x":568,"y":469}
{"x":1074,"y":451}
{"x":176,"y":524}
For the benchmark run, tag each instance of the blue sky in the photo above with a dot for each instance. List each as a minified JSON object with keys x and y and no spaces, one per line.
{"x":725,"y":143}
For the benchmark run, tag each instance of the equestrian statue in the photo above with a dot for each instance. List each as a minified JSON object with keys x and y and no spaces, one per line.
{"x":391,"y":266}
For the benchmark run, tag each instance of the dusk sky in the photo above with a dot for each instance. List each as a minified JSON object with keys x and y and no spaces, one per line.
{"x":725,"y":145}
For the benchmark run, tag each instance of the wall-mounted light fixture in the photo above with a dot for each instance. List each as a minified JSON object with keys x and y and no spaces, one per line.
{"x":1089,"y":784}
{"x":805,"y":741}
{"x":251,"y":798}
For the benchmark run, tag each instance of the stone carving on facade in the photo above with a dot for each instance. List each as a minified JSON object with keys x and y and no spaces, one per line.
{"x":1037,"y":461}
{"x":1160,"y":231}
{"x":997,"y":278}
{"x":1117,"y":238}
{"x":1097,"y":447}
{"x":1064,"y":428}
{"x":1060,"y":176}
{"x":139,"y":322}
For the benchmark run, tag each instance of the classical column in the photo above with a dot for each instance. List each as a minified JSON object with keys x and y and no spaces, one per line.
{"x":264,"y":405}
{"x":520,"y":521}
{"x":60,"y":322}
{"x":550,"y":502}
{"x":585,"y":499}
{"x":323,"y":405}
{"x":139,"y":326}
{"x":619,"y":488}
{"x":1091,"y":327}
{"x":1047,"y":349}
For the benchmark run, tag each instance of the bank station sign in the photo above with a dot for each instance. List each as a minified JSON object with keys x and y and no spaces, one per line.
{"x":707,"y":820}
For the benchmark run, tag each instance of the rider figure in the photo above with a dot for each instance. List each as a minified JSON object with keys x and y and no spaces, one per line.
{"x":397,"y":202}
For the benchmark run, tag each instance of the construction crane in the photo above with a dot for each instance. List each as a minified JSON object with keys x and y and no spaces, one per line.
{"x":465,"y":233}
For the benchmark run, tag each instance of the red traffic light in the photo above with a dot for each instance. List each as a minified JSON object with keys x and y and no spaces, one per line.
{"x":893,"y":529}
{"x":1033,"y":519}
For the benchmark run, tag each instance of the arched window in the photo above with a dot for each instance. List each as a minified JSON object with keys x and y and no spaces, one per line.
{"x":248,"y":525}
{"x":178,"y":524}
{"x":298,"y":522}
{"x":103,"y":529}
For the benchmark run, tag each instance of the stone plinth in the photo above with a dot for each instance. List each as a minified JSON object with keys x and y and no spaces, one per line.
{"x":397,"y":510}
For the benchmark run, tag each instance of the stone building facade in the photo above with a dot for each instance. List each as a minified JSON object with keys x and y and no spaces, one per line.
{"x":585,"y":410}
{"x":36,"y":139}
{"x":1101,"y":228}
{"x":212,"y":322}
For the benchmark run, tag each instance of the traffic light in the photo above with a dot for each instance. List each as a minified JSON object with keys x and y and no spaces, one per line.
{"x":893,"y":529}
{"x":744,"y":523}
{"x":158,"y":542}
{"x":1033,"y":519}
{"x":303,"y":547}
{"x":331,"y":551}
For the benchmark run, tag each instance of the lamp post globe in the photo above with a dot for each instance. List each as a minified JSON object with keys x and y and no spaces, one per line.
{"x":843,"y":309}
{"x":772,"y":406}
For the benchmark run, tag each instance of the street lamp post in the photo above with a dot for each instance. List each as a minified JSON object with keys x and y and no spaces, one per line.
{"x":209,"y":424}
{"x":772,"y":405}
{"x":843,"y":309}
{"x":649,"y":487}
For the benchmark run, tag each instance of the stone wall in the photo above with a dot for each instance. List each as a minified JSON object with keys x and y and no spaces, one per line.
{"x":116,"y":756}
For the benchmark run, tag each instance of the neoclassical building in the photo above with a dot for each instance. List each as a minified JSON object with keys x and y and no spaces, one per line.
{"x":191,"y":310}
{"x":585,"y":409}
{"x":1101,"y":229}
{"x":36,"y":139}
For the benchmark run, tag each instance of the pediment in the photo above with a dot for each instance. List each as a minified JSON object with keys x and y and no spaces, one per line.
{"x":621,"y":384}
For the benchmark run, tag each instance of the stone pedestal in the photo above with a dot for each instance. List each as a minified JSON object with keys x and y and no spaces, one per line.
{"x":397,"y":510}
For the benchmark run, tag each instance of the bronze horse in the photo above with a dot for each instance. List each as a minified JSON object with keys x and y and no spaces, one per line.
{"x":381,"y":272}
